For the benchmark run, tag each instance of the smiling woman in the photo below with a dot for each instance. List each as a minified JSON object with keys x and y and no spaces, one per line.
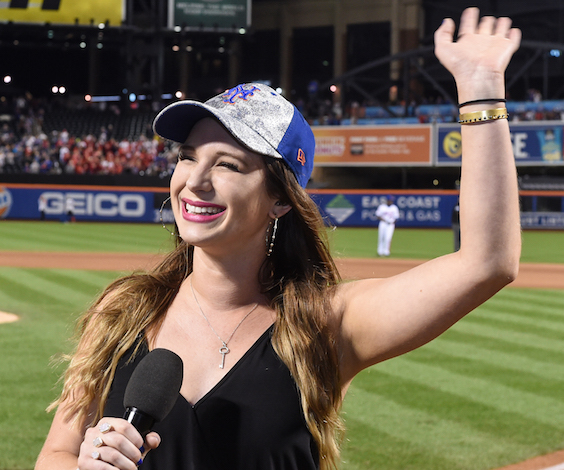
{"x":251,"y":299}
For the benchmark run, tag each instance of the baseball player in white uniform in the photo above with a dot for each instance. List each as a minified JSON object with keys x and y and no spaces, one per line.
{"x":387,"y":214}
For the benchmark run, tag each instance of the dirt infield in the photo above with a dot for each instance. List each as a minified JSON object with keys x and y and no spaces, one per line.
{"x":531,"y":275}
{"x":534,"y":275}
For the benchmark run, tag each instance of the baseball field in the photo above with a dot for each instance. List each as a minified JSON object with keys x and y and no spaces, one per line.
{"x":485,"y":395}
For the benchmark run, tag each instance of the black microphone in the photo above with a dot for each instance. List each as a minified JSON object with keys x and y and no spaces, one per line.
{"x":152,"y":389}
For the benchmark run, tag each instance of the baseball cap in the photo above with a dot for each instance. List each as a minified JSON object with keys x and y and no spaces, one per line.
{"x":257,"y":116}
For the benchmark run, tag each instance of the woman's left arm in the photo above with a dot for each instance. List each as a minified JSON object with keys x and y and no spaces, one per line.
{"x":382,"y":318}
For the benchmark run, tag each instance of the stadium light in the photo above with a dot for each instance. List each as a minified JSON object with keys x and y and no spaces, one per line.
{"x":7,"y":79}
{"x":55,"y":89}
{"x":88,"y":98}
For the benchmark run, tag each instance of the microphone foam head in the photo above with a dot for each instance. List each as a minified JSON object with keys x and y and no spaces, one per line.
{"x":155,"y":383}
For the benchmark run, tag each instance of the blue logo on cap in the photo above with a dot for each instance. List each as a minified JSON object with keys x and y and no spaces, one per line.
{"x":238,"y":92}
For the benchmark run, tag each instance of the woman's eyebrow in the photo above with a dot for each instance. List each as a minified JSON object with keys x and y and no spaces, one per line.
{"x":186,"y":147}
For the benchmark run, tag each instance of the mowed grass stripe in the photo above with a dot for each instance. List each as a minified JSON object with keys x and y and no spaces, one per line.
{"x":499,"y":333}
{"x":34,"y":284}
{"x":522,"y":380}
{"x":37,"y":236}
{"x":498,"y":344}
{"x":507,"y":316}
{"x":548,"y":303}
{"x":486,"y":357}
{"x":370,"y":448}
{"x":496,"y":320}
{"x":454,"y":441}
{"x":18,"y":297}
{"x":460,"y":408}
{"x":69,"y":279}
{"x":542,"y":409}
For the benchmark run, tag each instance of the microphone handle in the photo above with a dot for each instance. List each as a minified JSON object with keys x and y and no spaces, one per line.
{"x":141,"y":421}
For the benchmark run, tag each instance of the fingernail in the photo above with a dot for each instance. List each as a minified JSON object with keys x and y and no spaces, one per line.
{"x":140,"y":462}
{"x":142,"y":449}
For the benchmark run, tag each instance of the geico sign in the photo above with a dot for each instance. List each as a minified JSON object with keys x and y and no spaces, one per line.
{"x":100,"y":204}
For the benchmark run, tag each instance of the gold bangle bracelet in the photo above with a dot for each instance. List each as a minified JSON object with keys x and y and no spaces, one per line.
{"x":481,"y":116}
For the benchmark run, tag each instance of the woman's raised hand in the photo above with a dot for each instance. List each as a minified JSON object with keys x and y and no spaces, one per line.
{"x":479,"y":56}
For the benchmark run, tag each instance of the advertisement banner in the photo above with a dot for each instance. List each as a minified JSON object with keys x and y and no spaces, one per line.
{"x":533,"y":143}
{"x":93,"y":205}
{"x":63,"y":12}
{"x":214,"y":15}
{"x":372,"y":145}
{"x":358,"y":209}
{"x":542,"y":220}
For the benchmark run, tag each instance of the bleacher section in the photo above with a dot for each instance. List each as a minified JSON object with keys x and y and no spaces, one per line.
{"x":84,"y":122}
{"x":374,"y":115}
{"x":132,"y":124}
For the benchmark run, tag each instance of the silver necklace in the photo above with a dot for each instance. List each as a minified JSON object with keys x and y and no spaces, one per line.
{"x":224,"y":349}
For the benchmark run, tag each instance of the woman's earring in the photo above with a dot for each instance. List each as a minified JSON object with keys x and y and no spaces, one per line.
{"x":161,"y":216}
{"x":273,"y":237}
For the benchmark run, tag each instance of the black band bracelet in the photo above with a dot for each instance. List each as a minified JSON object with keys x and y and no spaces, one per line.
{"x":484,"y":100}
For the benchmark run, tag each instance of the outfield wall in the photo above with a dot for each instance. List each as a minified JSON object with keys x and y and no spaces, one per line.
{"x":347,"y":208}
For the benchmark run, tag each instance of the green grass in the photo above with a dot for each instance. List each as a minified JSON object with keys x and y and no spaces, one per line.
{"x":485,"y":394}
{"x":97,"y":237}
{"x":538,"y":246}
{"x":48,"y":301}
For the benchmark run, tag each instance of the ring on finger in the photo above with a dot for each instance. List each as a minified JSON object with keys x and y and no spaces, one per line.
{"x":105,"y":427}
{"x":98,"y":442}
{"x":96,"y":455}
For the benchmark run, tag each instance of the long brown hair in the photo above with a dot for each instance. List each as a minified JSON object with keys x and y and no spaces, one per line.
{"x":297,"y":278}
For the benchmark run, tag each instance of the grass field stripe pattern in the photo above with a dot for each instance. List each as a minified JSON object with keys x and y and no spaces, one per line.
{"x":487,"y":392}
{"x":487,"y":357}
{"x":523,"y":380}
{"x":453,"y":442}
{"x":517,"y":338}
{"x":464,"y":410}
{"x":521,"y":323}
{"x":541,"y":297}
{"x":87,"y":237}
{"x":499,"y":344}
{"x":508,"y":303}
{"x":41,"y":283}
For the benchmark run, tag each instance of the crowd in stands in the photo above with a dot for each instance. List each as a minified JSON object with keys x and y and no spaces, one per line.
{"x":429,"y":110}
{"x":27,"y":147}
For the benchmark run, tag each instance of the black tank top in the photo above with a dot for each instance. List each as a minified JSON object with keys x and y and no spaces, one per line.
{"x":251,"y":420}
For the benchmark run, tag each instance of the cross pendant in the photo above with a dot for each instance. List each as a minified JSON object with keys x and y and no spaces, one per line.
{"x":223,"y":351}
